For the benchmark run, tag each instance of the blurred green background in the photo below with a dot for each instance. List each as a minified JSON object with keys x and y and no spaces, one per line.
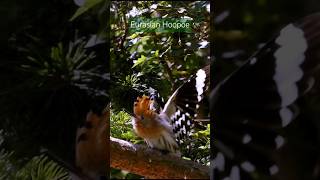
{"x":53,"y":70}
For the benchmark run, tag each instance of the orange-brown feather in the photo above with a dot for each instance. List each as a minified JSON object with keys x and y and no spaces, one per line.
{"x":91,"y":151}
{"x":143,"y":113}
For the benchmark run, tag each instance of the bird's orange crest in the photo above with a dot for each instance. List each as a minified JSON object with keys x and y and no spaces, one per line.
{"x":142,"y":107}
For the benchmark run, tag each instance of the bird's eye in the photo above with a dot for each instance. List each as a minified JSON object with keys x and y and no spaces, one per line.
{"x":142,"y":118}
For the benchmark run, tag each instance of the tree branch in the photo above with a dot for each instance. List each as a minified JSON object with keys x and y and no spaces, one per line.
{"x":151,"y":163}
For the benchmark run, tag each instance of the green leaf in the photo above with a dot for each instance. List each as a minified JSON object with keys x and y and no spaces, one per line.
{"x":86,"y":6}
{"x":186,"y":158}
{"x":134,"y":35}
{"x":156,"y":54}
{"x":41,"y":167}
{"x":140,"y":60}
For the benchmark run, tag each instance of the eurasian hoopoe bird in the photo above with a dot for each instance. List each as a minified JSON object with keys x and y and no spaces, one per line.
{"x":154,"y":128}
{"x":164,"y":128}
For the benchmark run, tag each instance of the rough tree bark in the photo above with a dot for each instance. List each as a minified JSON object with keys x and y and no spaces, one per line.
{"x":151,"y":163}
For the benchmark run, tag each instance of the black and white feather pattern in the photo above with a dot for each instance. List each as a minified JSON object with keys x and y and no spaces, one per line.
{"x":184,"y":104}
{"x":158,"y":101}
{"x":267,"y":113}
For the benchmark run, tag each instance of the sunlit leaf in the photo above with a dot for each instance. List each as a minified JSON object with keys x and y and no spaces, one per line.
{"x":140,"y":61}
{"x":86,"y":6}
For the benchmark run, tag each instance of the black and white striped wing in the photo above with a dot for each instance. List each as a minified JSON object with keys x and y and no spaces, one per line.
{"x":266,"y":115}
{"x":184,"y":104}
{"x":157,"y":100}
